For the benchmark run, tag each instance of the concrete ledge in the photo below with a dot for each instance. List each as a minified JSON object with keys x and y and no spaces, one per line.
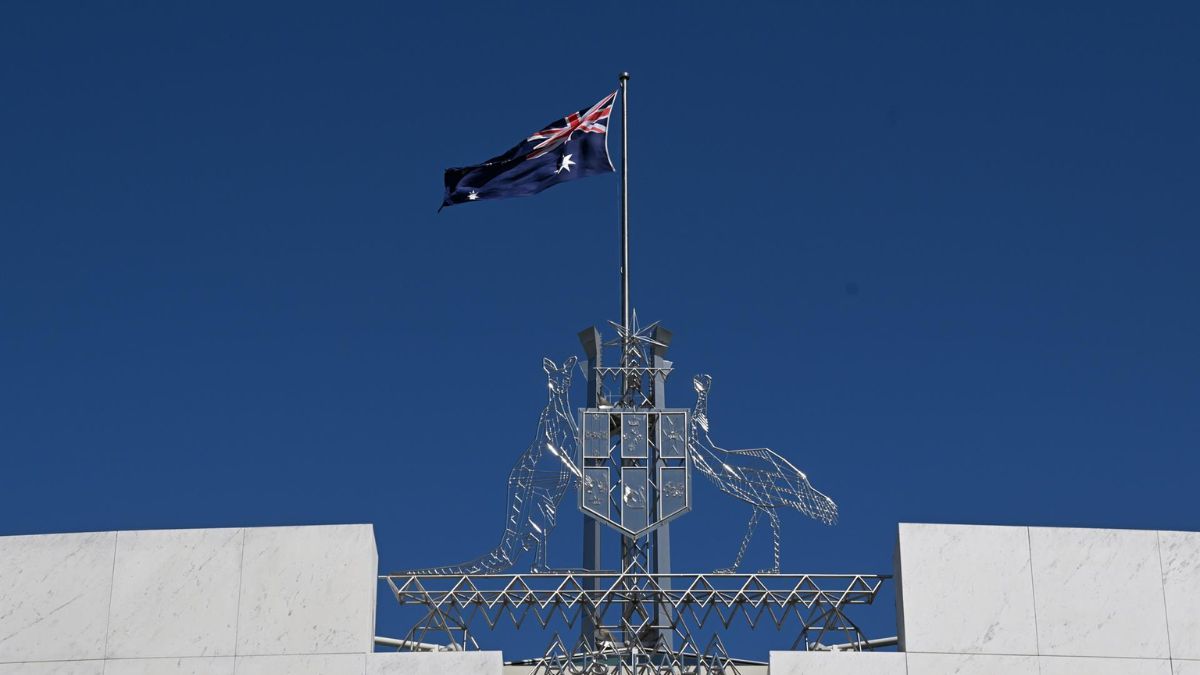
{"x":1083,"y":665}
{"x":837,"y":663}
{"x":971,"y":664}
{"x":217,"y":665}
{"x":303,"y":664}
{"x":438,"y":663}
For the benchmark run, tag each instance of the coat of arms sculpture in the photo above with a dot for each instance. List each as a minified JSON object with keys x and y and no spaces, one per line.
{"x":634,"y":454}
{"x":632,"y":460}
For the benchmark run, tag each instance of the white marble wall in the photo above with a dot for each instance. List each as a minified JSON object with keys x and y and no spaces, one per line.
{"x":1180,"y":552}
{"x":1098,"y":593}
{"x":1054,"y":601}
{"x":184,"y":602}
{"x":308,"y":590}
{"x":175,"y":593}
{"x":941,"y":563}
{"x":54,"y":596}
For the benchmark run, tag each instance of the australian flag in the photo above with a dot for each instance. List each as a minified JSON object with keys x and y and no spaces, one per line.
{"x":572,"y":147}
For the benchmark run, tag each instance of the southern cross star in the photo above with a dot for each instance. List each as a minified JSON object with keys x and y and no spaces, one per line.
{"x":565,"y":165}
{"x":473,"y":196}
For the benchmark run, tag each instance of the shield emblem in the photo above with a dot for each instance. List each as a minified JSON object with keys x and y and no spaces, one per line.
{"x":636,"y":468}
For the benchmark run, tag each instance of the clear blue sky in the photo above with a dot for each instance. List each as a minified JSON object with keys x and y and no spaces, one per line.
{"x":944,"y":258}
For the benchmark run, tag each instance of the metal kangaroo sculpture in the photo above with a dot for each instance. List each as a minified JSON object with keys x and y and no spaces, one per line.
{"x":759,"y":476}
{"x":537,"y":484}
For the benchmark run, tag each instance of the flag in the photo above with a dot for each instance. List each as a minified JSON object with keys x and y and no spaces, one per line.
{"x":572,"y":147}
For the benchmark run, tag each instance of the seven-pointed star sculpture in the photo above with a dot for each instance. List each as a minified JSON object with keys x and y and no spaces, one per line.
{"x":635,"y":334}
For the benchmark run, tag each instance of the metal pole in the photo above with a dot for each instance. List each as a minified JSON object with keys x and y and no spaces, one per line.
{"x":624,"y":80}
{"x":628,"y":544}
{"x":413,"y":646}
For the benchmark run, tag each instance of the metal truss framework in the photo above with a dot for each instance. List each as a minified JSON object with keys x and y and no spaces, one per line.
{"x":813,"y":607}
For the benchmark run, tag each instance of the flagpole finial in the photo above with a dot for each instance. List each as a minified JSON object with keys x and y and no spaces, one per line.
{"x":623,"y":76}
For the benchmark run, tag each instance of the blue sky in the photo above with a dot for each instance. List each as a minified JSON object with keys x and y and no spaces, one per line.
{"x":943,"y":257}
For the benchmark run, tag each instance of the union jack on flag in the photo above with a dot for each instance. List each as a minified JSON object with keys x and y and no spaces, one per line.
{"x":588,"y":122}
{"x":571,"y":147}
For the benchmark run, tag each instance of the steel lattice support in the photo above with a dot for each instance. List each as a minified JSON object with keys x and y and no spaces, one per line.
{"x":621,"y":606}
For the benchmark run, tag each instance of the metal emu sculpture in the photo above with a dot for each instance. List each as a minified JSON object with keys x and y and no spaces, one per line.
{"x":537,"y":484}
{"x":759,"y":476}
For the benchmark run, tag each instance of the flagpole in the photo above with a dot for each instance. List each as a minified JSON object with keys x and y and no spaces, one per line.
{"x":628,"y":544}
{"x":623,"y":78}
{"x":626,"y":381}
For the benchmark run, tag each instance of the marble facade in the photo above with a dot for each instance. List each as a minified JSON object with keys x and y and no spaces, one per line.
{"x":1098,"y":593}
{"x":54,"y":596}
{"x":1066,"y":600}
{"x":257,"y":601}
{"x":175,"y":594}
{"x":972,"y":600}
{"x":1180,"y":552}
{"x":987,"y":568}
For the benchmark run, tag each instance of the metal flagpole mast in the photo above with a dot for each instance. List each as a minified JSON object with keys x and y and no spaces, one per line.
{"x":628,"y":544}
{"x":593,"y":345}
{"x":624,"y":80}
